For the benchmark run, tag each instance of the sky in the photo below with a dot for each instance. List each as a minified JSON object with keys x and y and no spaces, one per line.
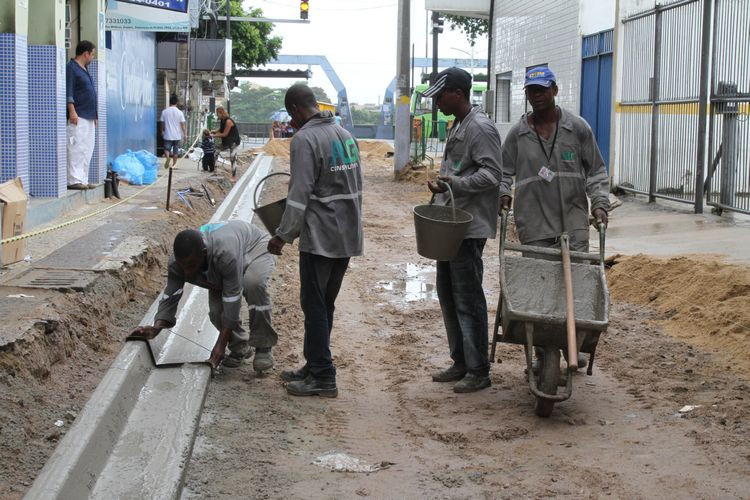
{"x":359,"y":39}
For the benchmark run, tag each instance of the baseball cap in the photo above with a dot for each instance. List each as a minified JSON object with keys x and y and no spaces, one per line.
{"x":541,"y":75}
{"x":451,"y":78}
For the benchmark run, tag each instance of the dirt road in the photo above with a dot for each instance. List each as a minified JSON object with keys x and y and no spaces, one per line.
{"x":620,"y":434}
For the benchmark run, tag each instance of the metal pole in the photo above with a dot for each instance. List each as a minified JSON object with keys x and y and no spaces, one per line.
{"x":703,"y":106}
{"x":655,"y":108}
{"x":169,"y":187}
{"x":403,"y":93}
{"x":490,"y":109}
{"x":435,"y":18}
{"x":229,"y":37}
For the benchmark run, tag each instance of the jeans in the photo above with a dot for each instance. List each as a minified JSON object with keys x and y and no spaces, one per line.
{"x":464,"y":307}
{"x":320,"y":281}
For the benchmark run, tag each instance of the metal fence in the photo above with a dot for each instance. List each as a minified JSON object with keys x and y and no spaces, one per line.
{"x":668,"y":115}
{"x":727,"y":182}
{"x":428,"y":140}
{"x":659,"y":108}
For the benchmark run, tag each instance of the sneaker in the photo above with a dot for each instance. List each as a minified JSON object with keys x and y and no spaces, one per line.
{"x":293,"y":375}
{"x":452,"y":374}
{"x":263,"y":359}
{"x":235,"y":358}
{"x":312,"y":386}
{"x":472,"y":383}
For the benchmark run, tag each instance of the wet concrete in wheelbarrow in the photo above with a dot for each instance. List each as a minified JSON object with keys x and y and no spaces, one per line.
{"x":621,"y":434}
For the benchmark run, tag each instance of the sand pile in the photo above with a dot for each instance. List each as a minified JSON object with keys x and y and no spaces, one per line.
{"x":419,"y":174}
{"x":374,"y":150}
{"x":705,"y":301}
{"x":277,"y":147}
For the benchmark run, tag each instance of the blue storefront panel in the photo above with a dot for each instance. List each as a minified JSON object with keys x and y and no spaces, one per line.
{"x":131,"y":92}
{"x":596,"y":87}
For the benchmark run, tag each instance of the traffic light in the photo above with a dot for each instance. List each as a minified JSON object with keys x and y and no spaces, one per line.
{"x":304,"y":8}
{"x":437,"y":23}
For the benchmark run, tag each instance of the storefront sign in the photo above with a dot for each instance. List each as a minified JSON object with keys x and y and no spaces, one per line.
{"x":148,"y":15}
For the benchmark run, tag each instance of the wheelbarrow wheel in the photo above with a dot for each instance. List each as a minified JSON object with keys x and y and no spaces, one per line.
{"x":549,"y":376}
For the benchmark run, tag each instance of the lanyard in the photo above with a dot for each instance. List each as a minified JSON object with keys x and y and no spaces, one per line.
{"x":554,"y":139}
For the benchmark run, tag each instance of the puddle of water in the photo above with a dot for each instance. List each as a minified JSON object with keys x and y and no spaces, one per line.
{"x":418,"y":283}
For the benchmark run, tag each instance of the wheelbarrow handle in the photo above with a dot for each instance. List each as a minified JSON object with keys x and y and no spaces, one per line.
{"x":260,"y":183}
{"x":503,"y":228}
{"x":602,"y":241}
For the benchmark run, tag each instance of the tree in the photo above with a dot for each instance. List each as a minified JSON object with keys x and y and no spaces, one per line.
{"x":252,"y":43}
{"x":472,"y":27}
{"x":255,"y":104}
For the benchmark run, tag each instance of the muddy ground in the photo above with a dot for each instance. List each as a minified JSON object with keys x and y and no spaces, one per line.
{"x":620,"y":435}
{"x":68,"y":339}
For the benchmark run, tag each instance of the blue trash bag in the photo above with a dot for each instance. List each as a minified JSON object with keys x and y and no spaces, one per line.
{"x":129,"y":168}
{"x":147,"y":158}
{"x":149,"y":176}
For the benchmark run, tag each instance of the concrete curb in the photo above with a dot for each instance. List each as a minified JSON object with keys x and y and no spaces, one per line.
{"x":134,"y":437}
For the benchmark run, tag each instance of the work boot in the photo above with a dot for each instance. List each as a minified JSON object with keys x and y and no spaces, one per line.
{"x":455,"y":372}
{"x":311,"y":386}
{"x":116,"y":185}
{"x":77,"y":186}
{"x":293,"y":375}
{"x":236,"y":357}
{"x":263,"y":359}
{"x":472,"y":383}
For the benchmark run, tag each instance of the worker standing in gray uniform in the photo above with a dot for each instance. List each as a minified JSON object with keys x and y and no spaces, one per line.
{"x":550,"y":152}
{"x":323,"y":210}
{"x":230,"y":260}
{"x":471,"y":167}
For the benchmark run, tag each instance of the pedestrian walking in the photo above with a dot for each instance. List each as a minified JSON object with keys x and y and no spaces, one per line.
{"x":231,"y":261}
{"x":173,"y":130}
{"x":550,"y":153}
{"x":323,"y":210}
{"x":82,"y":115}
{"x":471,"y":168}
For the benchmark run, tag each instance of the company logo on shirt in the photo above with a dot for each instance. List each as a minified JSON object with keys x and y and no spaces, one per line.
{"x":344,"y":155}
{"x":569,"y":155}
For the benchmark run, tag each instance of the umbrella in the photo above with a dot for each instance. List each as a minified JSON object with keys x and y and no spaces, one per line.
{"x":280,"y":116}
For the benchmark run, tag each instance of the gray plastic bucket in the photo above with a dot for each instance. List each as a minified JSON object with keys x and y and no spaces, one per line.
{"x":440,"y":229}
{"x":270,"y":215}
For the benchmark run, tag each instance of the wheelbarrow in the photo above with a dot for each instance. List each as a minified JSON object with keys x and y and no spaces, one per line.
{"x":551,"y":307}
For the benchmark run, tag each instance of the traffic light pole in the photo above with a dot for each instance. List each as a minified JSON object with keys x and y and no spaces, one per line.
{"x":403,"y":92}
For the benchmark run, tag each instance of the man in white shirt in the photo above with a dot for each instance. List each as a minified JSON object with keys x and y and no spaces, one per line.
{"x":172,"y":130}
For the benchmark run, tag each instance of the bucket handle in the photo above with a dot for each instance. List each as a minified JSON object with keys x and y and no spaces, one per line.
{"x":450,"y":192}
{"x":260,"y":182}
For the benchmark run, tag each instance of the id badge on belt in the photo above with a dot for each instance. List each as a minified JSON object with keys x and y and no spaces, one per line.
{"x":546,"y":174}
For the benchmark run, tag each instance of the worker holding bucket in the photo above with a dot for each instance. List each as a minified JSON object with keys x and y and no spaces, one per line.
{"x":470,"y":175}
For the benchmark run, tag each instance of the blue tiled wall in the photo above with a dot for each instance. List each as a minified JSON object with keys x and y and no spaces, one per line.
{"x":98,"y":166}
{"x":47,"y":153}
{"x":14,"y":108}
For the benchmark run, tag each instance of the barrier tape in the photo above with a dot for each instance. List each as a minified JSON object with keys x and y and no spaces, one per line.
{"x":101,"y":211}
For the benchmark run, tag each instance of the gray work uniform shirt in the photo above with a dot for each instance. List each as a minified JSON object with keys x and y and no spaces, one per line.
{"x":575,"y":162}
{"x":324,"y":204}
{"x":472,"y":157}
{"x":231,"y":247}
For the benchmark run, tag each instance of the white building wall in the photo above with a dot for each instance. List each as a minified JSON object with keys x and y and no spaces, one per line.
{"x":536,"y":32}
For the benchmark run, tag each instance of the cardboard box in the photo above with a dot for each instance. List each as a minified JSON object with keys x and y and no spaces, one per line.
{"x":13,"y":202}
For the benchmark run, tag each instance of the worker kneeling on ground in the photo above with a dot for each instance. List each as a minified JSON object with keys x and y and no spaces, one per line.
{"x":231,"y":261}
{"x":471,"y":167}
{"x":552,"y":153}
